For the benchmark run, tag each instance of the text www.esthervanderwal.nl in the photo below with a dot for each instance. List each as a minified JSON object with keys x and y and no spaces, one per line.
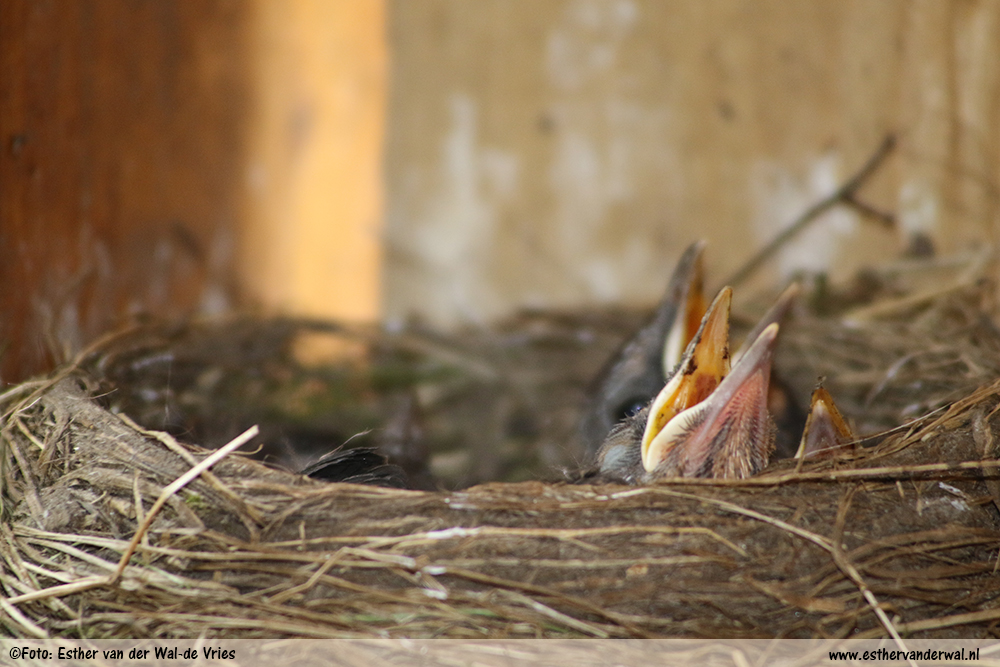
{"x":891,"y":654}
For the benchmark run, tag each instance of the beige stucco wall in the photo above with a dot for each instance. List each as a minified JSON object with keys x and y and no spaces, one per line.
{"x":564,"y":152}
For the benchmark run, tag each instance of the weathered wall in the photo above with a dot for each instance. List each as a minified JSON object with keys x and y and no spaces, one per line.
{"x":565,"y":152}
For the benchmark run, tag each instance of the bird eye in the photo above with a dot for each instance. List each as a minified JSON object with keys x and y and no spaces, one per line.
{"x":629,"y":408}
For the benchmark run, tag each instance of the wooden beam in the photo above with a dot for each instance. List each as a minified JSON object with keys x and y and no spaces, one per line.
{"x":312,"y":239}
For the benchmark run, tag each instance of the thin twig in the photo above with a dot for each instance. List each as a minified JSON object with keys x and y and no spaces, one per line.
{"x":569,"y":621}
{"x":16,"y":615}
{"x":171,"y":443}
{"x":78,"y":586}
{"x":94,"y":581}
{"x":823,"y":542}
{"x":176,"y":486}
{"x":845,"y":194}
{"x":941,"y":622}
{"x":885,"y":473}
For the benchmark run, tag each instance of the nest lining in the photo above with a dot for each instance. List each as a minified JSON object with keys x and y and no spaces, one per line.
{"x":258,"y":552}
{"x":902,"y":537}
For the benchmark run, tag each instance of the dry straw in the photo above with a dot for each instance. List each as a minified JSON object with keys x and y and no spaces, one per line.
{"x":115,"y":530}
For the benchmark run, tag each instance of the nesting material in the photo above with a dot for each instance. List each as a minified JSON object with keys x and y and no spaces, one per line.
{"x":901,"y":539}
{"x":486,"y":405}
{"x":884,"y":371}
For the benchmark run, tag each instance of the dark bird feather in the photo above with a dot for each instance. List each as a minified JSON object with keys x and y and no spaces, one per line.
{"x":357,"y":465}
{"x":636,"y":371}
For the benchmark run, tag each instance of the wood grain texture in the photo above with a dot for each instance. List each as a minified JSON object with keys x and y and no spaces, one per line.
{"x":121,"y":133}
{"x":311,"y":240}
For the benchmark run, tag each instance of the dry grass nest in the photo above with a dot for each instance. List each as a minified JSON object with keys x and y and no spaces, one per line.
{"x":112,"y":529}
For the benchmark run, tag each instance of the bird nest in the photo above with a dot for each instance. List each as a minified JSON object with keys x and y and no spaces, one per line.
{"x":113,"y":528}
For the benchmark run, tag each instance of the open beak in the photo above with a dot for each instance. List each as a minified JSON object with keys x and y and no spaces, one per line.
{"x":775,"y":315}
{"x":641,"y":366}
{"x":700,"y":371}
{"x":687,"y":291}
{"x":727,"y":433}
{"x":827,"y":433}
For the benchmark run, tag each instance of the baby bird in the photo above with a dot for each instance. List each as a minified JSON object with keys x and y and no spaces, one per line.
{"x":641,"y":366}
{"x":709,"y":420}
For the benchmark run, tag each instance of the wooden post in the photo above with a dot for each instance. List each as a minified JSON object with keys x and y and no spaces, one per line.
{"x":312,"y":239}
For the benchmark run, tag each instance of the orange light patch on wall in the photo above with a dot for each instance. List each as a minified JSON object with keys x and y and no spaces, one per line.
{"x":311,"y":241}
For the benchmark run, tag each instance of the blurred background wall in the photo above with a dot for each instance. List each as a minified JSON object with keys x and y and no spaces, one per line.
{"x":458,"y":160}
{"x":564,"y":153}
